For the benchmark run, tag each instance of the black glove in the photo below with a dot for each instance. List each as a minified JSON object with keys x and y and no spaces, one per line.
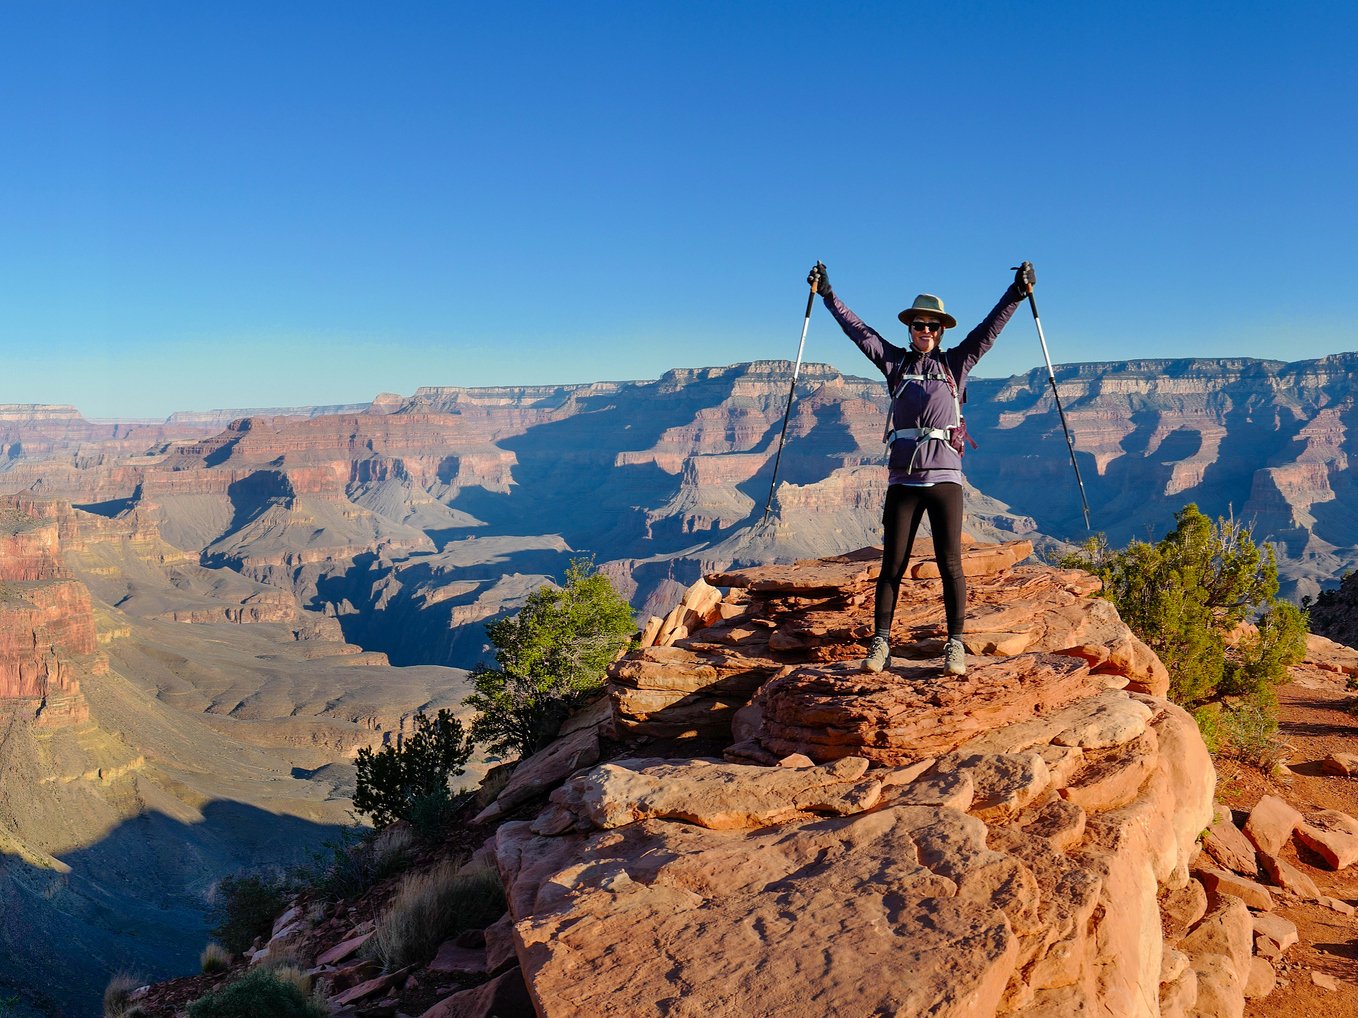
{"x":1025,"y":278}
{"x":820,"y":279}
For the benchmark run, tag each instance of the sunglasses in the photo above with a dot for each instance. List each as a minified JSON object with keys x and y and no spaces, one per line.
{"x":919,"y":326}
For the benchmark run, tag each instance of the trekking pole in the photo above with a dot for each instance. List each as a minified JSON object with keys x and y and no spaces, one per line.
{"x":1051,"y":377}
{"x":792,"y":389}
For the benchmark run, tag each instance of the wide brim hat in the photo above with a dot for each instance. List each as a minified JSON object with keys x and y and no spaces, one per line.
{"x":927,"y":304}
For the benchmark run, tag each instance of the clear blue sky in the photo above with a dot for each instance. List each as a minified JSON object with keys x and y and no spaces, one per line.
{"x":242,"y":204}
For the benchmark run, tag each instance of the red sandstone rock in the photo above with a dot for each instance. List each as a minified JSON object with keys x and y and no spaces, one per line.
{"x":1340,"y":764}
{"x":503,"y":997}
{"x":1281,"y":932}
{"x":1288,"y":877}
{"x":1270,"y":824}
{"x":343,"y":950}
{"x":895,"y":718}
{"x":1252,"y":893}
{"x":543,"y":771}
{"x":1333,"y":836}
{"x":1228,"y":845}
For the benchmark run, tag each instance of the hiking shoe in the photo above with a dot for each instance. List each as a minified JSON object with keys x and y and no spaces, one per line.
{"x":954,"y":657}
{"x":879,"y":652}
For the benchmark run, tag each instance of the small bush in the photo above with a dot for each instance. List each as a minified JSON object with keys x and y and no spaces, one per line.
{"x":118,"y":996}
{"x":431,"y":815}
{"x":1190,"y":594}
{"x":258,"y":993}
{"x":349,"y":865}
{"x":214,"y":958}
{"x":391,"y":781}
{"x":290,"y":973}
{"x":432,"y":906}
{"x":245,"y":909}
{"x":1249,"y":732}
{"x":1208,"y":718}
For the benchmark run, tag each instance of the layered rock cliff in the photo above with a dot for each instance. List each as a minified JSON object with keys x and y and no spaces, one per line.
{"x":162,"y":724}
{"x":663,"y":481}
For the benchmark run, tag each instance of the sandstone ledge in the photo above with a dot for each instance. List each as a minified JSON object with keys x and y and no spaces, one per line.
{"x":1004,"y":838}
{"x":693,"y":887}
{"x":706,"y":665}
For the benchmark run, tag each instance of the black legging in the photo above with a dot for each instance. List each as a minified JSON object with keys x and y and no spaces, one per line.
{"x":904,"y":507}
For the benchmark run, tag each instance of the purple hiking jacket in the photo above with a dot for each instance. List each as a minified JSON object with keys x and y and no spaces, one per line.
{"x":926,"y":404}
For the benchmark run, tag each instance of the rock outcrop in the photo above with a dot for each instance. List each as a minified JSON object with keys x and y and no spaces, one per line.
{"x":1005,"y":838}
{"x":1043,"y":635}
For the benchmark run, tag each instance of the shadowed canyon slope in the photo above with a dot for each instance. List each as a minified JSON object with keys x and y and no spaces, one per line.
{"x":162,"y":724}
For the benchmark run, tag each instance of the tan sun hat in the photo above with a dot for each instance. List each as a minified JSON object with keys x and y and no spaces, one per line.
{"x":927,"y":304}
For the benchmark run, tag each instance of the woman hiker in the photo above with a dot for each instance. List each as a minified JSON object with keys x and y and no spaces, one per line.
{"x":925,"y":437}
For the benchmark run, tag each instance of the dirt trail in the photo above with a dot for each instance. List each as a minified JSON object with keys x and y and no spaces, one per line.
{"x":1313,"y":722}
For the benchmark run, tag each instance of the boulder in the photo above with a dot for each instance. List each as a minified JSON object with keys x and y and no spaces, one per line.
{"x":1340,"y":764}
{"x":1289,"y":878}
{"x":1332,"y":835}
{"x":1227,"y":844}
{"x":1270,"y":824}
{"x":542,"y":772}
{"x":505,"y":996}
{"x":1219,"y":881}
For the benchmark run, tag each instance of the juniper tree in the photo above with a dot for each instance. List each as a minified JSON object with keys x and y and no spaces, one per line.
{"x":550,"y":658}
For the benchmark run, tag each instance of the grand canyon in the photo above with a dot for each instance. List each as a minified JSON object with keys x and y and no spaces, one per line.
{"x":202,"y":619}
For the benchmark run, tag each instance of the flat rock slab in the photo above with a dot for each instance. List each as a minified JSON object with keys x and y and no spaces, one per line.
{"x":543,"y":771}
{"x":1026,"y":905}
{"x":717,"y":795}
{"x":818,"y":576}
{"x":912,"y":712}
{"x":1333,"y":836}
{"x":813,"y":919}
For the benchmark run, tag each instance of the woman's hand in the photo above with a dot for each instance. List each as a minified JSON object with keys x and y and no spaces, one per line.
{"x":819,"y":280}
{"x":1025,"y":278}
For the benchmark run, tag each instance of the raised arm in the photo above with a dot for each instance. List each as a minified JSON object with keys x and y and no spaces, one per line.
{"x":963,"y":357}
{"x":866,"y":338}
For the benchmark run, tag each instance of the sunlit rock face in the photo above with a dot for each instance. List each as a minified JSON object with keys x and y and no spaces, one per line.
{"x":416,"y":520}
{"x":902,"y":843}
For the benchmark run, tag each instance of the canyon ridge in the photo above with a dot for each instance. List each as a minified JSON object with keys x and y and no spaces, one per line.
{"x":203,"y":618}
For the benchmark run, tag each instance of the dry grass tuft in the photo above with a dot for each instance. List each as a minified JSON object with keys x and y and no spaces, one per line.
{"x":214,"y":958}
{"x":118,"y":996}
{"x":432,"y":906}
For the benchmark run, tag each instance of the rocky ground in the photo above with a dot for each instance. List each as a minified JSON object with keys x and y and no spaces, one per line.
{"x":1027,"y":840}
{"x":1318,"y":720}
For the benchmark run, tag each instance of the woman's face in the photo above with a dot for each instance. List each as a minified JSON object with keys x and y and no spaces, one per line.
{"x":925,"y":333}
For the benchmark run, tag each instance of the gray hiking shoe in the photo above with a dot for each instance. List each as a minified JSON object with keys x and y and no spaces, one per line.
{"x":954,"y":657}
{"x":879,"y":652}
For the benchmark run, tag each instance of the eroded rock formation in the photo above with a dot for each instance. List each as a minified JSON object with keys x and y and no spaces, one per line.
{"x":998,"y":843}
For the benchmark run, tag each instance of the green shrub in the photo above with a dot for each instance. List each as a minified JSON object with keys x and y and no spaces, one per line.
{"x":118,"y":996}
{"x":392,"y":781}
{"x":348,"y":865}
{"x":245,"y":908}
{"x":258,"y":993}
{"x":1208,"y":718}
{"x":551,"y":658}
{"x":214,"y":958}
{"x":432,"y":906}
{"x":1249,"y":732}
{"x":1187,"y":598}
